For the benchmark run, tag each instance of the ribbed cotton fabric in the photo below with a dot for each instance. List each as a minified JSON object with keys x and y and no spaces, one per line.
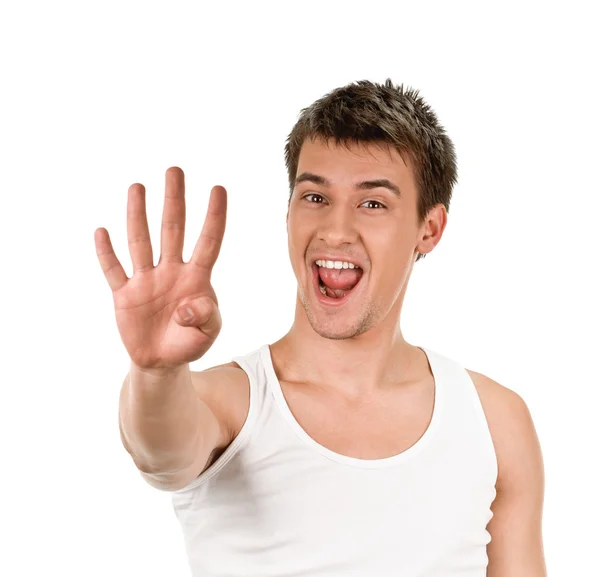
{"x":278,"y":504}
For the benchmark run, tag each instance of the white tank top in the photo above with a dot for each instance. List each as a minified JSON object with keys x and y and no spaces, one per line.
{"x":278,"y":504}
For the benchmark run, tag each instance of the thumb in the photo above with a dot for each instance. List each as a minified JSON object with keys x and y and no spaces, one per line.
{"x":202,"y":313}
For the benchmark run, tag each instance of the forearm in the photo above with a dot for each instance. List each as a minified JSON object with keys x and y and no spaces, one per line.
{"x":160,"y":416}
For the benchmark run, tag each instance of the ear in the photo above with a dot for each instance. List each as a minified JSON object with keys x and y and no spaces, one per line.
{"x":433,"y":229}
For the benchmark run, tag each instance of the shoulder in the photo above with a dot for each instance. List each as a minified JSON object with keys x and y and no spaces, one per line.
{"x":496,"y":398}
{"x":226,"y":390}
{"x":511,"y":427}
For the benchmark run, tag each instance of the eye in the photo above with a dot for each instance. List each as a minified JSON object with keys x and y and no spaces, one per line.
{"x":374,"y":202}
{"x":313,"y":194}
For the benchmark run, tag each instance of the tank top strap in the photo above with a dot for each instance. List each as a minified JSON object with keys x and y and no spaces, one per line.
{"x":454,"y":378}
{"x":252,"y":364}
{"x":462,"y":399}
{"x":260,"y":394}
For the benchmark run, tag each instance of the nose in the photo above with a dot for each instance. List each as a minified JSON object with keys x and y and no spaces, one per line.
{"x":337,"y":226}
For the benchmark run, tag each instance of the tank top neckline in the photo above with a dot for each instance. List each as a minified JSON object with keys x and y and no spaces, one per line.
{"x":412,"y":451}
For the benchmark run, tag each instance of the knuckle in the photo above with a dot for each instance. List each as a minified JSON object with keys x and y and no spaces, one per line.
{"x":210,"y":238}
{"x":136,"y":239}
{"x":172,"y":225}
{"x":202,"y":265}
{"x":111,"y":267}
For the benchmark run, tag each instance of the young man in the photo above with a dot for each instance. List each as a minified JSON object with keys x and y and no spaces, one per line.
{"x":340,"y":449}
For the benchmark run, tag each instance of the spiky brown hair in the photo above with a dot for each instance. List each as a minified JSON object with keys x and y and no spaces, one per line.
{"x":369,"y":112}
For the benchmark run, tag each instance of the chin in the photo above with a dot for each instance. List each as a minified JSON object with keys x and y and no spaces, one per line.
{"x":339,"y":327}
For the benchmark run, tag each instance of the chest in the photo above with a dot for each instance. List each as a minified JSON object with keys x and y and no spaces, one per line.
{"x":373,"y":429}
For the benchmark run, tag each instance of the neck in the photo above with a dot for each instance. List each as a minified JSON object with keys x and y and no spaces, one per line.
{"x":360,"y":367}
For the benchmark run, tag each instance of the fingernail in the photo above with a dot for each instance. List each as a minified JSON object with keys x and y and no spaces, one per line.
{"x":187,"y":315}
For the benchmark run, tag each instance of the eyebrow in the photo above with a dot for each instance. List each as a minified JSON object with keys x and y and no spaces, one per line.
{"x":364,"y":185}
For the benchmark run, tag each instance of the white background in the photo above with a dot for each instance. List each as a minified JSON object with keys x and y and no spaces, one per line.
{"x":97,"y":96}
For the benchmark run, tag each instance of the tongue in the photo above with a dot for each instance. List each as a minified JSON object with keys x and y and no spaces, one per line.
{"x":341,"y":279}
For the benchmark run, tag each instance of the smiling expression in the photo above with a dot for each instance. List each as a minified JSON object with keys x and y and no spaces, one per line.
{"x":357,"y":203}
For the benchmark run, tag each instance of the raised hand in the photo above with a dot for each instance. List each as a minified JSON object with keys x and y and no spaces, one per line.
{"x":167,"y":314}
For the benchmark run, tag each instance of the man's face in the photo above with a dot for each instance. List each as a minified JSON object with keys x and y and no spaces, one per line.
{"x":371,"y":226}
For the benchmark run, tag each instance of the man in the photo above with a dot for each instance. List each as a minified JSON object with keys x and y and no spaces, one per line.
{"x":340,"y":449}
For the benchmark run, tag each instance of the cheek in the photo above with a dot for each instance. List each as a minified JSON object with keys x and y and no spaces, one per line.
{"x":299,"y":234}
{"x":393,"y":238}
{"x":390,"y":251}
{"x":298,"y":243}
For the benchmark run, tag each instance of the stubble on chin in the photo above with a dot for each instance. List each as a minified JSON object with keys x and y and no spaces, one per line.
{"x":366,"y":320}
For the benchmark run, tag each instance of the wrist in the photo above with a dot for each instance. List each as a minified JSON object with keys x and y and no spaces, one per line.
{"x":159,"y":373}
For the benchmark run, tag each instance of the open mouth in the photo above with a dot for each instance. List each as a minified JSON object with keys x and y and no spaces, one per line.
{"x":332,"y":295}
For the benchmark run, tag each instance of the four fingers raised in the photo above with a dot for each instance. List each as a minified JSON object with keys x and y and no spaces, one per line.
{"x":207,"y":247}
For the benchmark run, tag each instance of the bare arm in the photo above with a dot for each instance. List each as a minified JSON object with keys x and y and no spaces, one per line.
{"x":172,"y":424}
{"x":165,"y":425}
{"x":516,"y":548}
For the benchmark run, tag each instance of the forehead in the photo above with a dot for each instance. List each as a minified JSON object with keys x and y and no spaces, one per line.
{"x":341,"y":162}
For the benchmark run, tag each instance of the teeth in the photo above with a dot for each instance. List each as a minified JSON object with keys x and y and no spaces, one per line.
{"x":336,"y":264}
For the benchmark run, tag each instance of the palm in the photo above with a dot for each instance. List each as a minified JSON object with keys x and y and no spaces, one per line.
{"x":145,"y":304}
{"x":150,"y":302}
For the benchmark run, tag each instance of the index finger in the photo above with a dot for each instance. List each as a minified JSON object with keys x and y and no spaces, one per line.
{"x":208,"y":246}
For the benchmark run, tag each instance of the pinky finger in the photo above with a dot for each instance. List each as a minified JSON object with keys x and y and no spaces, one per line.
{"x":111,"y":267}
